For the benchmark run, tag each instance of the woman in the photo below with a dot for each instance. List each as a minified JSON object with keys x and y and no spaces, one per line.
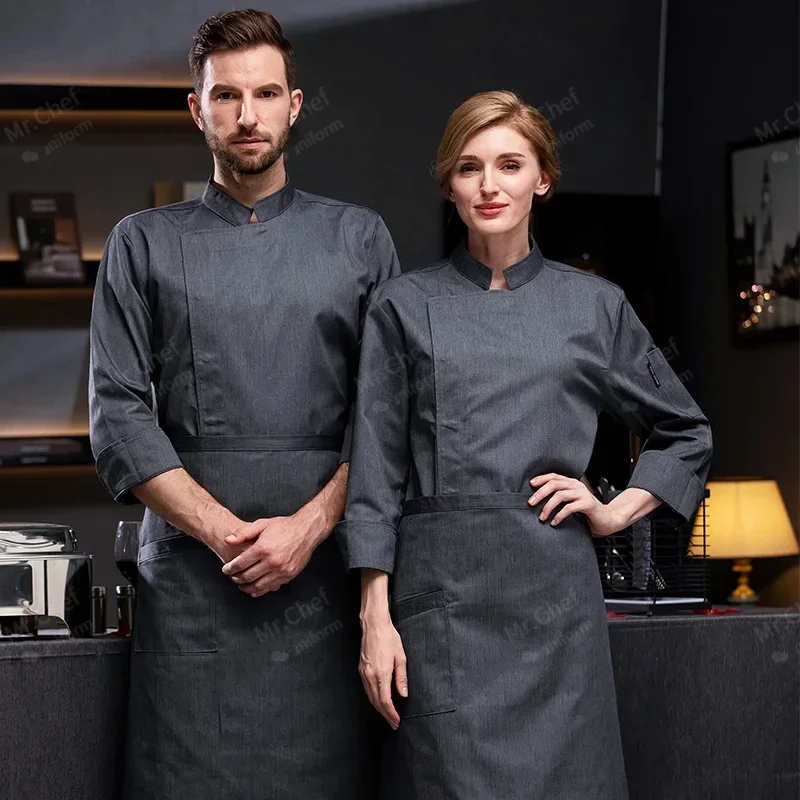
{"x":480,"y":383}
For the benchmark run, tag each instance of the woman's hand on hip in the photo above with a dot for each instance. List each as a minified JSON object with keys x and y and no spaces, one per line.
{"x":382,"y":663}
{"x":573,"y":495}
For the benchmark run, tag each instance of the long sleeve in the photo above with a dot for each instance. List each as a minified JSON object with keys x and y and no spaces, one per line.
{"x":380,"y":458}
{"x":128,"y":446}
{"x":643,"y":392}
{"x":383,"y":264}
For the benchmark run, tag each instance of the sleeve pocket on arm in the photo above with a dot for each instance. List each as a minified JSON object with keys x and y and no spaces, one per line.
{"x":668,"y":384}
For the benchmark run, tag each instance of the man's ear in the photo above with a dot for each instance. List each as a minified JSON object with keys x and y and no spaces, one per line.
{"x":195,"y":109}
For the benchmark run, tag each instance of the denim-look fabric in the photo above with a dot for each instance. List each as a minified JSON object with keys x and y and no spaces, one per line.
{"x":250,"y":335}
{"x":464,"y":395}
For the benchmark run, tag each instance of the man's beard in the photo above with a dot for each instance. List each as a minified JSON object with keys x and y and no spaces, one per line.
{"x":248,"y":164}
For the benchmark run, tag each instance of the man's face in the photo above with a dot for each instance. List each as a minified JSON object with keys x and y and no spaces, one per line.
{"x":245,"y":108}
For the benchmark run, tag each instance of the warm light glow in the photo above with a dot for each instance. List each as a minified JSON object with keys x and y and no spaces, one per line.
{"x":743,"y":295}
{"x":88,"y":255}
{"x":758,"y":309}
{"x":753,"y":318}
{"x":122,"y":81}
{"x":746,"y":518}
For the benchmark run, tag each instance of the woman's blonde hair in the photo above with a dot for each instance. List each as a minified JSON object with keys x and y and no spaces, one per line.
{"x":487,"y":110}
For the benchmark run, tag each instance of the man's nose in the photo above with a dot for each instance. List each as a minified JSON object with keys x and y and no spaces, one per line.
{"x":247,"y":114}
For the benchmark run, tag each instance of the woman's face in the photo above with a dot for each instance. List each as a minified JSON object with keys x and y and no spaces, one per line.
{"x":494,"y":181}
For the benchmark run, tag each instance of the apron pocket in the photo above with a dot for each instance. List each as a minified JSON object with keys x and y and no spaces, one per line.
{"x":424,"y":627}
{"x":175,"y":604}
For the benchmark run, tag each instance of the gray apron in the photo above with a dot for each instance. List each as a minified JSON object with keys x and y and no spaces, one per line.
{"x":511,"y":690}
{"x":234,"y":696}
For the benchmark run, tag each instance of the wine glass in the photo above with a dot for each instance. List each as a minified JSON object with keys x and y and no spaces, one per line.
{"x":126,"y":548}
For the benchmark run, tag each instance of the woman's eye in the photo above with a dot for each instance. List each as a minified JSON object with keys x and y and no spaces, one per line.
{"x":514,"y":167}
{"x":466,"y":168}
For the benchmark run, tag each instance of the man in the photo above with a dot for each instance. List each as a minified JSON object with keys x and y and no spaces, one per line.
{"x":244,"y":311}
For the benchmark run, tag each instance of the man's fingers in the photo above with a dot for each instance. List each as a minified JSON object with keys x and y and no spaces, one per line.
{"x":244,"y":560}
{"x":267,"y":582}
{"x":250,"y":575}
{"x":245,"y":533}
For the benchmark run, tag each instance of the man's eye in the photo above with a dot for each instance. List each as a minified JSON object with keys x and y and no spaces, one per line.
{"x":224,"y":96}
{"x":268,"y":93}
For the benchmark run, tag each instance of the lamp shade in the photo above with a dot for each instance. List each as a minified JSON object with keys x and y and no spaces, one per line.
{"x":747,"y":518}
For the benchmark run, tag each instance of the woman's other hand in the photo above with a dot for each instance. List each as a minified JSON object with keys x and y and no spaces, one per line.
{"x":382,"y":663}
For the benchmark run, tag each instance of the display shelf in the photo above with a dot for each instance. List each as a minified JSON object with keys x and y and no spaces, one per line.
{"x":54,"y":100}
{"x":46,"y":293}
{"x":45,"y":471}
{"x":28,"y":109}
{"x":12,"y":287}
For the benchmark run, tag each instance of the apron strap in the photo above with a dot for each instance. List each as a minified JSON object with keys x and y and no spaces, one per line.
{"x":194,"y":444}
{"x":465,"y":502}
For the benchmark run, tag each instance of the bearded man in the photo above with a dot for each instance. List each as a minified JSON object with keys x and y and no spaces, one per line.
{"x":225,"y":339}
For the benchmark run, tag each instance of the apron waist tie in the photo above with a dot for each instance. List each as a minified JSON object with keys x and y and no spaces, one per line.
{"x":466,"y":502}
{"x":194,"y":444}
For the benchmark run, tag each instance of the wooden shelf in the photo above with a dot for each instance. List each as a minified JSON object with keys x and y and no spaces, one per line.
{"x":47,"y":294}
{"x":30,"y":109}
{"x":25,"y":118}
{"x":49,"y":471}
{"x":49,"y":101}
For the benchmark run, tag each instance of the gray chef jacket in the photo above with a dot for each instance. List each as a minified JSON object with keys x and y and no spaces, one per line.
{"x":150,"y":296}
{"x":464,"y":395}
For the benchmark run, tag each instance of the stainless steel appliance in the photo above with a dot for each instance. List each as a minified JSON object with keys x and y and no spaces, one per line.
{"x":42,"y":574}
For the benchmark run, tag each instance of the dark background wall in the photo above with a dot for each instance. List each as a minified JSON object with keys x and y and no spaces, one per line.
{"x":729,"y":68}
{"x":384,"y":87}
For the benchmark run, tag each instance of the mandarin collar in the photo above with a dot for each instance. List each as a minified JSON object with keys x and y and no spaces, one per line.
{"x":231,"y":210}
{"x":516,"y":275}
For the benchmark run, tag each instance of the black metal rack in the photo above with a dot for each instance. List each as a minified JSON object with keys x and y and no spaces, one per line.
{"x":658,"y":565}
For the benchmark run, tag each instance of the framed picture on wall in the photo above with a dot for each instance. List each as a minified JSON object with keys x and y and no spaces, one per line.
{"x":764,"y":238}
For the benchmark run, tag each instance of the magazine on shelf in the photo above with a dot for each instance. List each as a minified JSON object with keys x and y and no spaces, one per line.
{"x":45,"y":230}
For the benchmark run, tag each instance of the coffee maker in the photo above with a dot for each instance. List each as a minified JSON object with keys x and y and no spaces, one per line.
{"x":42,"y":574}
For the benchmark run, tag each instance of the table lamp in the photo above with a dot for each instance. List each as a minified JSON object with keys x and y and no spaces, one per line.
{"x":746,"y":518}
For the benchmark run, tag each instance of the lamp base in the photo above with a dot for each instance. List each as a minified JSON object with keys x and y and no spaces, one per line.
{"x":743,"y":593}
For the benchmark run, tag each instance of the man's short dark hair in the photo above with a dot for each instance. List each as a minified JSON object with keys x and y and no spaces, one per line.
{"x":239,"y":30}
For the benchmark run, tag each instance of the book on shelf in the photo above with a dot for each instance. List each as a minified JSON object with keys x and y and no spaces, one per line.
{"x":45,"y":230}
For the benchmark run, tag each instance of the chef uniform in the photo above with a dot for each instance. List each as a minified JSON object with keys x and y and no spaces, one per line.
{"x":465,"y":394}
{"x":250,"y":336}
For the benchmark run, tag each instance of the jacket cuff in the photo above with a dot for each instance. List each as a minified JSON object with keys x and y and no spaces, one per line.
{"x":366,"y":545}
{"x":670,"y":480}
{"x":134,"y":460}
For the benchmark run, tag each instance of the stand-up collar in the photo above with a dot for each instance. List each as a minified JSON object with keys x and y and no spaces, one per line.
{"x":231,"y":210}
{"x":516,"y":275}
